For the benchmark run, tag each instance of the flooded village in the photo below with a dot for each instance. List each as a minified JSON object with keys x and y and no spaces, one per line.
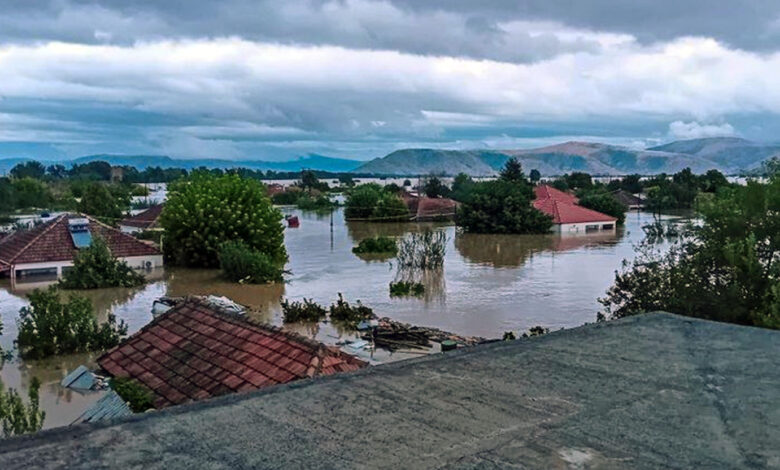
{"x":489,"y":284}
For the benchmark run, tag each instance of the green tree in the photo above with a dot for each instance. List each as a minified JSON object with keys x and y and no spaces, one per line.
{"x":501,"y":206}
{"x":16,"y":418}
{"x":95,"y":267}
{"x":49,"y":327}
{"x":433,"y":187}
{"x":7,"y":195}
{"x":371,"y":201}
{"x":724,"y":269}
{"x":461,"y":186}
{"x":204,"y":211}
{"x":30,"y":169}
{"x":534,"y":176}
{"x":512,"y":171}
{"x":99,"y":200}
{"x":31,"y":193}
{"x":604,"y":203}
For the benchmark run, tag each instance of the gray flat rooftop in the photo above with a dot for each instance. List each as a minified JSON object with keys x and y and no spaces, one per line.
{"x":646,"y":392}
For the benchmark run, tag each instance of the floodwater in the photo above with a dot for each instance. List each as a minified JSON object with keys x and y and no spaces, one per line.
{"x":489,"y":284}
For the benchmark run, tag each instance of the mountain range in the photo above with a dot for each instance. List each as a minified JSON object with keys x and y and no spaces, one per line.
{"x":730,"y":155}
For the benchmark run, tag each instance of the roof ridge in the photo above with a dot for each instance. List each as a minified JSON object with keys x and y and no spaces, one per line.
{"x":43,"y":231}
{"x":113,"y":229}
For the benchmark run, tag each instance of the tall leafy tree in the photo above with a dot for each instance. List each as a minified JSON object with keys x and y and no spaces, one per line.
{"x":30,"y":169}
{"x":206,"y":210}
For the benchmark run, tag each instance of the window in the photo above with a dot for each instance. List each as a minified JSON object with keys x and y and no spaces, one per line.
{"x":607,"y":226}
{"x":591,"y":228}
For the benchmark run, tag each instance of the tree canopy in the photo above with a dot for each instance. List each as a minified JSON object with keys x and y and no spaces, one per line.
{"x":206,"y":210}
{"x":724,"y":269}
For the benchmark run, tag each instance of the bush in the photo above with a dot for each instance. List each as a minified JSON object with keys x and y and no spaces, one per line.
{"x":137,"y":395}
{"x":403,"y":289}
{"x":306,"y":311}
{"x":424,"y":250}
{"x":345,"y":314}
{"x":379,"y":244}
{"x":151,"y":235}
{"x":16,"y":418}
{"x":204,"y":211}
{"x":239,"y":263}
{"x":95,"y":267}
{"x":48,"y":327}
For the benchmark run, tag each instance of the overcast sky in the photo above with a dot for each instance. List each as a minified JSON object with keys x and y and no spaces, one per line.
{"x":359,"y":78}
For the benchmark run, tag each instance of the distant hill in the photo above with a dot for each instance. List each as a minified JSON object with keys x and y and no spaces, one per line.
{"x":314,"y":162}
{"x":729,"y":155}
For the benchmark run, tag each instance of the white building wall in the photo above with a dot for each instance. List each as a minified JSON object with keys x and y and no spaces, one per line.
{"x":583,"y":227}
{"x":135,"y":262}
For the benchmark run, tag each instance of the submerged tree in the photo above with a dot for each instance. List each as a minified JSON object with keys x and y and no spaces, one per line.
{"x":205,"y":210}
{"x":49,"y":327}
{"x":95,"y":267}
{"x":16,"y":417}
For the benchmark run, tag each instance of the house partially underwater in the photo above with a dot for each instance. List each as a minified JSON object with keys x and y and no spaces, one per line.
{"x":567,"y":215}
{"x":145,"y":220}
{"x":49,"y":248}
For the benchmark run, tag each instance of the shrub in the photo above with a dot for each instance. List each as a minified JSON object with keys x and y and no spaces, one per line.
{"x":379,"y":244}
{"x":152,"y":235}
{"x":239,"y":263}
{"x":306,"y":311}
{"x":343,"y":313}
{"x":95,"y":267}
{"x":205,"y":210}
{"x":423,"y":250}
{"x":137,"y":395}
{"x":536,"y":331}
{"x":49,"y":327}
{"x":403,"y":289}
{"x":16,"y":418}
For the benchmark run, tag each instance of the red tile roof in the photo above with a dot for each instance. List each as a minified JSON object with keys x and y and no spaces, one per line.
{"x":145,"y":219}
{"x":52,"y":241}
{"x":563,"y":208}
{"x":544,"y":191}
{"x":196,"y":351}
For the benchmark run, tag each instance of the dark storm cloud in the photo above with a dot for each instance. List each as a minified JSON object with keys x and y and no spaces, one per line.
{"x":438,"y":27}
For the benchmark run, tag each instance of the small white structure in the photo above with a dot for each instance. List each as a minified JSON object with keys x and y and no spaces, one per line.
{"x":49,"y":248}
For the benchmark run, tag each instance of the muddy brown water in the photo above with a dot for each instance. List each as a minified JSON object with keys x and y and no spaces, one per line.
{"x":489,"y":284}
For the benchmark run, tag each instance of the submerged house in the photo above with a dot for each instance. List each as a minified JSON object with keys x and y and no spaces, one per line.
{"x":568,"y":217}
{"x":424,"y":208}
{"x":631,"y":201}
{"x":198,"y":350}
{"x":142,"y":221}
{"x":49,"y":248}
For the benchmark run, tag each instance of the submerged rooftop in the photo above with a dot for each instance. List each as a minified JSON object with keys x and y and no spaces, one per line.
{"x":652,"y":391}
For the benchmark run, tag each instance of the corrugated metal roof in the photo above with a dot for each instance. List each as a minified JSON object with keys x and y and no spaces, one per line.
{"x":108,"y":407}
{"x":81,"y":378}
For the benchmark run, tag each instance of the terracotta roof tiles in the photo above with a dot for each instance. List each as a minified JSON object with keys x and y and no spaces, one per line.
{"x":195,"y":351}
{"x":563,"y":208}
{"x":52,"y":241}
{"x":145,"y":219}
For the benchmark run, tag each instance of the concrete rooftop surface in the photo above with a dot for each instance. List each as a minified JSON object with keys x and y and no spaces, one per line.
{"x":653,"y":391}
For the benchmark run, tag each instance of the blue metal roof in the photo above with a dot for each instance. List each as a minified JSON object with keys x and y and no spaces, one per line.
{"x":81,"y":378}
